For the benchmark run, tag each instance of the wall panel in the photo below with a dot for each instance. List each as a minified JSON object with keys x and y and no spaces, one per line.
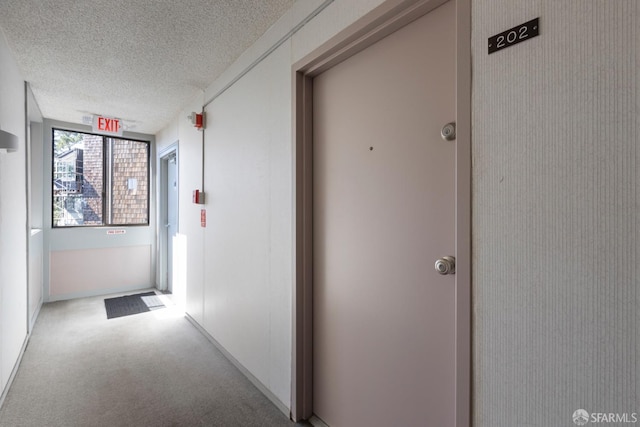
{"x":92,"y":271}
{"x":555,"y":213}
{"x":240,"y":267}
{"x":247,"y":241}
{"x":13,"y":218}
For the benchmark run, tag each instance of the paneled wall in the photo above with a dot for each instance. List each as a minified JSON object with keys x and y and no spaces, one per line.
{"x":240,"y":267}
{"x":13,"y":218}
{"x":556,"y":190}
{"x":35,"y":209}
{"x":99,"y":270}
{"x":555,"y":195}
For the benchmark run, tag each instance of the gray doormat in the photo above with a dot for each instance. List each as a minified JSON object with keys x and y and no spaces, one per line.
{"x":132,"y":304}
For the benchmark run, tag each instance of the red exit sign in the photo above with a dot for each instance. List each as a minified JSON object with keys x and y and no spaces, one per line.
{"x":107,"y":125}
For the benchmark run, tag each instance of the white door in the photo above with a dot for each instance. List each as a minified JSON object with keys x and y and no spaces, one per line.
{"x":172,"y":215}
{"x":168,"y":215}
{"x":384,"y":212}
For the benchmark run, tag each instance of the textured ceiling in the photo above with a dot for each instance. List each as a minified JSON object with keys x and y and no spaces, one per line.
{"x":138,"y":60}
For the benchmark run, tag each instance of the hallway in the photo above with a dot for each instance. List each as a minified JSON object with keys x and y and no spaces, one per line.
{"x":542,"y":121}
{"x":150,"y":369}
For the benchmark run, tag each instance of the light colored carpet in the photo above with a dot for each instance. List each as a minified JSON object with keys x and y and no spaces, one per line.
{"x":149,"y":369}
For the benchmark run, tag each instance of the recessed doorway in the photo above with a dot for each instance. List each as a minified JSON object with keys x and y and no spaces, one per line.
{"x":168,"y":224}
{"x":380,"y":337}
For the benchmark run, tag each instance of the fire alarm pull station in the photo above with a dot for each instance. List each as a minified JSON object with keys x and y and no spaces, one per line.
{"x":198,"y":197}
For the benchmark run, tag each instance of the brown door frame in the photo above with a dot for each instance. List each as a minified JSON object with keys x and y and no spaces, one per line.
{"x":377,"y":24}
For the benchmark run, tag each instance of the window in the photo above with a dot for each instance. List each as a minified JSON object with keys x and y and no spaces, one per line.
{"x":84,"y":165}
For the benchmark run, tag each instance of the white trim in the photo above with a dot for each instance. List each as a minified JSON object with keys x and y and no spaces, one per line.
{"x":161,"y":281}
{"x":98,"y":292}
{"x":34,"y":317}
{"x":14,"y":371}
{"x":168,"y":149}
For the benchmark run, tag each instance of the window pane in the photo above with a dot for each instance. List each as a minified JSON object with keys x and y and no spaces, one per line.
{"x":77,"y":179}
{"x":129,"y":182}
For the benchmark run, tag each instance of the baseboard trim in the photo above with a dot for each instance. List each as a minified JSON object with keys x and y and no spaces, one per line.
{"x":34,"y":318}
{"x":256,"y":382}
{"x":317,"y":422}
{"x":97,"y":292}
{"x":14,"y":371}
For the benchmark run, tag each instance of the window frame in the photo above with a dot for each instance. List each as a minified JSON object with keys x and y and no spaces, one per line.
{"x":107,"y":178}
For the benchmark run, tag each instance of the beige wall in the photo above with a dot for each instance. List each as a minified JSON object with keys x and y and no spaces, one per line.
{"x":555,"y":212}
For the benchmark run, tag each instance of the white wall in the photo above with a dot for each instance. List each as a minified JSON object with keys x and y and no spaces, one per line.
{"x":555,"y":130}
{"x":556,"y":125}
{"x":247,"y":298}
{"x":13,"y":218}
{"x":36,"y":165}
{"x":117,"y":262}
{"x":240,"y":267}
{"x":190,"y":178}
{"x":35,"y":197}
{"x":36,"y":275}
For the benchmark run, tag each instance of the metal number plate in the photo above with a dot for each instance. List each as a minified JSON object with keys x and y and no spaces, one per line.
{"x":515,"y":35}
